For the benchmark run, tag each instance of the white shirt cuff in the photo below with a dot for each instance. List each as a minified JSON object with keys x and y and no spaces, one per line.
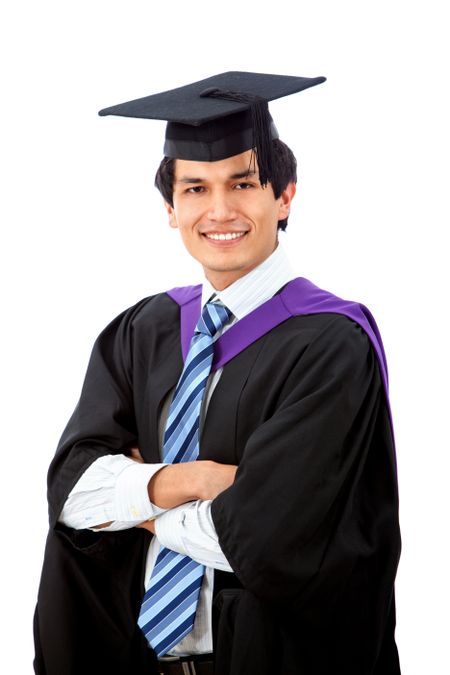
{"x":113,"y":488}
{"x":189,"y":529}
{"x":131,"y":500}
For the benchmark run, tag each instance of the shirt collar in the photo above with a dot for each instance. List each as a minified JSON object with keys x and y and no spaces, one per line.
{"x":256,"y":287}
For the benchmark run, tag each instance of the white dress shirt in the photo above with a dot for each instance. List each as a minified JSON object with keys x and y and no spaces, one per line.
{"x":114,"y":487}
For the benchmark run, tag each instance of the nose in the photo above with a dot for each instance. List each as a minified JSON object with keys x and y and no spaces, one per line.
{"x":221,"y":208}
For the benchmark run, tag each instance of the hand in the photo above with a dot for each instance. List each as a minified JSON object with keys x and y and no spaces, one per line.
{"x":136,"y":456}
{"x":148,"y":525}
{"x":214,"y":478}
{"x":177,"y":484}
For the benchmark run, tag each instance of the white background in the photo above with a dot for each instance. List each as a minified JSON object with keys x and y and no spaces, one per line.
{"x":84,"y":234}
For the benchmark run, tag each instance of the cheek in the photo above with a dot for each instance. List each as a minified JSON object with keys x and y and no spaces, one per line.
{"x":266,"y":211}
{"x":186,"y":216}
{"x":267,"y":219}
{"x":189,"y":237}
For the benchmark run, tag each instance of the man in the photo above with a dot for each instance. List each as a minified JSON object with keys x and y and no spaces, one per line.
{"x":276,"y":552}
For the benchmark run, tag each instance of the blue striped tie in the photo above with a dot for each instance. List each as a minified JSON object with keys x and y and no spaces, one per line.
{"x":170,"y":602}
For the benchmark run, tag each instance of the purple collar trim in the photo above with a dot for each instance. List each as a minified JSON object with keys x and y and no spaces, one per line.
{"x":299,"y":296}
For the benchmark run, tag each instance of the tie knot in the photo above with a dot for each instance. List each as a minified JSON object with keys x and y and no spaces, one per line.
{"x":214,"y":317}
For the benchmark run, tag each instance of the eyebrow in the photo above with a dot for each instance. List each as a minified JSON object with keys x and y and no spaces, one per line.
{"x":187,"y":179}
{"x":235,"y":176}
{"x":243,"y":174}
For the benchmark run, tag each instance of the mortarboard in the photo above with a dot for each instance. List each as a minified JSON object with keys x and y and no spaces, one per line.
{"x":218,"y":117}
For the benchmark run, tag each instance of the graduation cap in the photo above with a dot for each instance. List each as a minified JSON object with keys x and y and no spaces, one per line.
{"x":220,"y":116}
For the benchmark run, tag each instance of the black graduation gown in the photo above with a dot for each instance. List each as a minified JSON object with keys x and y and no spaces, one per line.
{"x":310,"y":525}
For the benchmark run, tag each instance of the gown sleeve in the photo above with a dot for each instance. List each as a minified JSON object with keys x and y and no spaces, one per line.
{"x":103,"y":422}
{"x":314,"y":504}
{"x":91,"y":583}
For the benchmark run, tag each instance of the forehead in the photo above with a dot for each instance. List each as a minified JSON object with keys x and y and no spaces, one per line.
{"x":243,"y":163}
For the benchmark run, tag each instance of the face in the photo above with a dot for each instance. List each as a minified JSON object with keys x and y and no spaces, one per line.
{"x":227,"y":221}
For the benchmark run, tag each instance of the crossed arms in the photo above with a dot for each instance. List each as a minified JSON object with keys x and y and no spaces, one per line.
{"x":176,"y":484}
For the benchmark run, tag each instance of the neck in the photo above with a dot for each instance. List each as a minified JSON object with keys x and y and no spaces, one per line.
{"x":220,"y":280}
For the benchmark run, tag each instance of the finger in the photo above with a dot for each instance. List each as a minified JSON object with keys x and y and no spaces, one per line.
{"x":147,"y":525}
{"x":136,"y":455}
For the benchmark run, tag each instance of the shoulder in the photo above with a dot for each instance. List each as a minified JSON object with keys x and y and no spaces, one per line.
{"x":335,"y":318}
{"x":324,"y":328}
{"x":150,"y":310}
{"x":343,"y":330}
{"x":136,"y":329}
{"x":310,"y":350}
{"x":315,"y":348}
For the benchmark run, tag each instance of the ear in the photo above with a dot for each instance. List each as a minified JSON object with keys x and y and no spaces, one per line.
{"x":286,"y":198}
{"x":171,"y":214}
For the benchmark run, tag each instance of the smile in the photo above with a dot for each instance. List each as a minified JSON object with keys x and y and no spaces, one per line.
{"x":225,"y":237}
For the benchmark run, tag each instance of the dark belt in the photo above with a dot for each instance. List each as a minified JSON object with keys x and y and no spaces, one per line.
{"x":186,"y":665}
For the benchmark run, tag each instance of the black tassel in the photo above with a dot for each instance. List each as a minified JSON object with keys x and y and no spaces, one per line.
{"x":262,"y":141}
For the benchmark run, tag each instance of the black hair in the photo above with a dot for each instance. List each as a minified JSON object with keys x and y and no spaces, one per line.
{"x":284,"y":171}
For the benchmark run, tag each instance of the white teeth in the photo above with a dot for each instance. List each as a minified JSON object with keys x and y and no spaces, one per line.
{"x":226,"y":237}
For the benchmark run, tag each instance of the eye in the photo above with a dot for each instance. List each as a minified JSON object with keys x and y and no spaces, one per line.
{"x":243,"y":186}
{"x":195,"y":190}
